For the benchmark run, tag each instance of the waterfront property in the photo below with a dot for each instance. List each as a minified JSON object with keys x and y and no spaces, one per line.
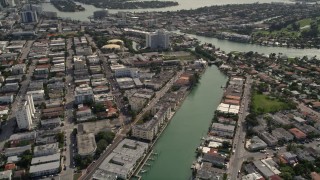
{"x":149,"y":129}
{"x":222,"y":130}
{"x":121,"y":162}
{"x":188,"y":124}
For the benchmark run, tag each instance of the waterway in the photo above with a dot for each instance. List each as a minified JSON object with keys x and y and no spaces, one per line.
{"x":229,"y":46}
{"x":183,"y":4}
{"x":178,"y":142}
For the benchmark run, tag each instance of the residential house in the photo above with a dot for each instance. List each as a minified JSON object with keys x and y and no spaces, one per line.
{"x":282,"y":134}
{"x":216,"y":159}
{"x":256,"y":144}
{"x":222,"y":130}
{"x":299,"y":135}
{"x":268,"y":138}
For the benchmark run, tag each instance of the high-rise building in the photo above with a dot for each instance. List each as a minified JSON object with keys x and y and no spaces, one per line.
{"x":100,"y":14}
{"x":30,"y":12}
{"x":158,"y":40}
{"x":3,"y":3}
{"x":29,"y":16}
{"x":32,"y":7}
{"x":25,"y":113}
{"x":11,"y":3}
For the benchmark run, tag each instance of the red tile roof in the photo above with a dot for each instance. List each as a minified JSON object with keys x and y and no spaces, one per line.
{"x":315,"y":176}
{"x":9,"y":166}
{"x":297,"y":133}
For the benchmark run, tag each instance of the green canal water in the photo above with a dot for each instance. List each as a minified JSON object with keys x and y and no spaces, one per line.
{"x":177,"y":144}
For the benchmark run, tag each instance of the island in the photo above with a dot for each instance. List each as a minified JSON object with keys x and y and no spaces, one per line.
{"x":128,"y":4}
{"x":67,"y":6}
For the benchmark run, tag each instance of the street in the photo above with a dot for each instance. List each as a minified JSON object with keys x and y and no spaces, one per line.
{"x":68,"y":118}
{"x":237,"y":158}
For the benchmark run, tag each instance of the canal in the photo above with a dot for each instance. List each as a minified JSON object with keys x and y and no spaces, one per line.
{"x":228,"y":46}
{"x":177,"y":144}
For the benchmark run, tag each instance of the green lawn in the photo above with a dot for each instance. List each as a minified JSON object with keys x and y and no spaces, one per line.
{"x":264,"y":104}
{"x":304,"y":22}
{"x":286,"y":31}
{"x":76,"y":176}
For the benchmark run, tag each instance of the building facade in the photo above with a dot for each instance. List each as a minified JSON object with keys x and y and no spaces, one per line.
{"x":222,"y":130}
{"x":158,"y":40}
{"x":149,"y":130}
{"x":25,"y":113}
{"x":83,"y":93}
{"x":29,"y":16}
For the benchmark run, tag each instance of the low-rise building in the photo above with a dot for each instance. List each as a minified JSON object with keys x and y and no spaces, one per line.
{"x":289,"y":158}
{"x":84,"y":113}
{"x":16,"y":151}
{"x":18,"y":69}
{"x":208,"y":172}
{"x":216,"y":159}
{"x":268,"y":138}
{"x":37,"y":95}
{"x":304,"y":156}
{"x":44,"y":169}
{"x":6,"y":99}
{"x":50,"y":123}
{"x":46,"y":149}
{"x":273,"y":166}
{"x":7,"y":175}
{"x":280,"y":119}
{"x":23,"y":136}
{"x":282,"y":134}
{"x":122,"y":160}
{"x":263,"y":169}
{"x":83,"y":93}
{"x":299,"y":135}
{"x":305,"y":128}
{"x":45,"y":159}
{"x":253,"y":176}
{"x":256,"y":144}
{"x":86,"y":144}
{"x":222,"y":130}
{"x":13,"y":159}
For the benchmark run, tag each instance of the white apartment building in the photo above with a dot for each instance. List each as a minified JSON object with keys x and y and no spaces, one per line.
{"x":37,"y":95}
{"x":150,"y":129}
{"x":158,"y":40}
{"x":123,"y":71}
{"x":83,"y":93}
{"x":79,"y":63}
{"x":25,"y":113}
